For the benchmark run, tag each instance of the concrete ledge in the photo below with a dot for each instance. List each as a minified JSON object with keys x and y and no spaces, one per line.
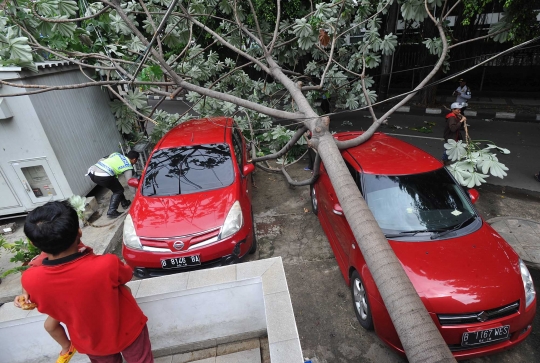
{"x":505,"y":115}
{"x":433,"y":111}
{"x":187,"y":312}
{"x":404,"y":109}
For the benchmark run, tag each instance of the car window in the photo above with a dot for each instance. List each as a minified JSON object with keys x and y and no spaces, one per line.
{"x":355,"y":175}
{"x":189,"y":169}
{"x":428,"y":201}
{"x":237,"y":145}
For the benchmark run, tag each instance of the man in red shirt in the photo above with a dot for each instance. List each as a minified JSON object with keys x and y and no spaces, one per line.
{"x":84,"y":291}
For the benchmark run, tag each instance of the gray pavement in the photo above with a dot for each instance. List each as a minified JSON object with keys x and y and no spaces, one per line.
{"x":523,"y":235}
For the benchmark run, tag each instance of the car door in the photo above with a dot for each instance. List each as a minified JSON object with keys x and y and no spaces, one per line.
{"x":338,"y":224}
{"x":239,"y":150}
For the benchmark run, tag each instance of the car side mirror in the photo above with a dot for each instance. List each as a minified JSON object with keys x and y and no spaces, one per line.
{"x":133,"y":182}
{"x":474,"y":195}
{"x":338,"y":210}
{"x":248,"y":169}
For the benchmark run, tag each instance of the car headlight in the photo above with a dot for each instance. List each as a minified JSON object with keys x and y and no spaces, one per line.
{"x":528,"y":285}
{"x":233,"y":222}
{"x":131,"y":239}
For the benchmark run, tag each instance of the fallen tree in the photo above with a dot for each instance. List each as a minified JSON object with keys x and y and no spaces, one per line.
{"x":230,"y":56}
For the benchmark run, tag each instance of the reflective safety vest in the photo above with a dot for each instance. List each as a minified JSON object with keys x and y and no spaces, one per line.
{"x":115,"y":164}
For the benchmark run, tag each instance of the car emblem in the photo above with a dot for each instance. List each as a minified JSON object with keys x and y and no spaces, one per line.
{"x":483,"y":316}
{"x":178,"y":245}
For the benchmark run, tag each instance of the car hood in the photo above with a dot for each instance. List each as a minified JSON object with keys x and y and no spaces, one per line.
{"x":475,"y":272}
{"x":180,"y":215}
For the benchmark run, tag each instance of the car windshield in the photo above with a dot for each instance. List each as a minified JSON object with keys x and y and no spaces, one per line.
{"x":188,"y":169}
{"x":415,"y":203}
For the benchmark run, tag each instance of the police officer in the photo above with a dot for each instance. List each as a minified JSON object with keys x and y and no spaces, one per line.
{"x":463,"y":94}
{"x":105,"y":173}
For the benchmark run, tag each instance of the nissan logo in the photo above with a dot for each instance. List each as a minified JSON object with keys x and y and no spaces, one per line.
{"x":483,"y":316}
{"x":178,"y":245}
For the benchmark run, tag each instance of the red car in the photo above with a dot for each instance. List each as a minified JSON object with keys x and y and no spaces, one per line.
{"x":192,"y":207}
{"x":475,"y":287}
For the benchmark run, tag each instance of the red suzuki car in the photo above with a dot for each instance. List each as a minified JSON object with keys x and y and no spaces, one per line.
{"x":192,"y":207}
{"x":475,"y":287}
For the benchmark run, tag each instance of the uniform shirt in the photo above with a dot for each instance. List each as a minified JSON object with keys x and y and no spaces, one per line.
{"x":86,"y":293}
{"x":463,"y":94}
{"x":115,"y":164}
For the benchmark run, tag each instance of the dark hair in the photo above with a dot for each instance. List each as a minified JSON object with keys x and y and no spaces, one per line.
{"x":53,"y":227}
{"x":132,"y":154}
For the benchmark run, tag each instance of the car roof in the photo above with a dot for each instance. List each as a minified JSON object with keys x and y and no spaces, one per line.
{"x":197,"y":132}
{"x":386,"y":155}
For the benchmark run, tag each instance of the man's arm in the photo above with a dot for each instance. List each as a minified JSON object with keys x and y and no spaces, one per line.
{"x":454,"y":124}
{"x":466,"y":93}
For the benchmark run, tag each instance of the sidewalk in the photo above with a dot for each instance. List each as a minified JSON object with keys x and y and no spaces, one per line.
{"x":489,"y":108}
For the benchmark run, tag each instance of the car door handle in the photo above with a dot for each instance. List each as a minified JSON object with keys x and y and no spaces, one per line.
{"x":337,"y":209}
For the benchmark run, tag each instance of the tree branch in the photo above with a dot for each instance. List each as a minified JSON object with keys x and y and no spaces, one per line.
{"x":314,"y":176}
{"x":288,"y":146}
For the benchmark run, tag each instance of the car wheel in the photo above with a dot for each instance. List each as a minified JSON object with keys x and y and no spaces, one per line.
{"x":254,"y":243}
{"x":314,"y":203}
{"x":360,"y":302}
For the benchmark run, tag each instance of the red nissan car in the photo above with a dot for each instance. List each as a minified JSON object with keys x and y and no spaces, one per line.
{"x":475,"y":287}
{"x":192,"y":207}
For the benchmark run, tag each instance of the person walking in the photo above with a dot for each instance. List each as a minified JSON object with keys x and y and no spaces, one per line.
{"x":455,"y":122}
{"x":105,"y":173}
{"x":463,"y":95}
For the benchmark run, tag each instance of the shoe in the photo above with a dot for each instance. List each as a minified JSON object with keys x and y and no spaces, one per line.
{"x":537,"y":177}
{"x":113,"y":206}
{"x":125,"y":203}
{"x":307,"y":168}
{"x":65,"y":358}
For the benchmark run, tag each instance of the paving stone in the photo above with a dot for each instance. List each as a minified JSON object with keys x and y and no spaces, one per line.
{"x":281,"y":351}
{"x":194,"y":356}
{"x":280,"y":317}
{"x":163,"y":284}
{"x":247,"y":356}
{"x":528,"y":239}
{"x":230,"y":348}
{"x":533,"y":254}
{"x":212,"y":276}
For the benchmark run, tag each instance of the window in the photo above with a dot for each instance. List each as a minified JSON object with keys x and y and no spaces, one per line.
{"x":190,"y":169}
{"x":237,"y":144}
{"x":428,"y":201}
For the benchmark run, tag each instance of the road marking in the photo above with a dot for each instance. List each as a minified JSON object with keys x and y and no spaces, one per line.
{"x":420,"y":137}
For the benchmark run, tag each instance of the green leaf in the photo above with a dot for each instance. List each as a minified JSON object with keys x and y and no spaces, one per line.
{"x":455,"y":150}
{"x":302,"y":28}
{"x":67,"y":7}
{"x":136,"y":98}
{"x":46,"y":8}
{"x":65,"y":29}
{"x":20,"y":50}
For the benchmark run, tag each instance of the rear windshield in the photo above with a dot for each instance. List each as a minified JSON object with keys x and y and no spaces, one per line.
{"x":190,"y":169}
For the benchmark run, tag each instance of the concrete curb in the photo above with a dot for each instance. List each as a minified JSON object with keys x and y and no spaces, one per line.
{"x":506,"y":116}
{"x":493,"y":220}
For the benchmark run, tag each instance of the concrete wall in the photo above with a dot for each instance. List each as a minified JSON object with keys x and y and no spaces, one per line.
{"x":187,"y":312}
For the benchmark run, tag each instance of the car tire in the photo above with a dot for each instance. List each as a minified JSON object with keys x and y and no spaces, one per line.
{"x":314,"y":202}
{"x":254,"y":243}
{"x":360,"y":301}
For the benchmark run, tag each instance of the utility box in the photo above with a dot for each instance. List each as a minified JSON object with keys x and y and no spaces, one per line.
{"x":48,"y":140}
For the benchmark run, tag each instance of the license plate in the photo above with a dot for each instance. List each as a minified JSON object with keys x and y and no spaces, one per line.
{"x":485,"y":336}
{"x":179,"y":262}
